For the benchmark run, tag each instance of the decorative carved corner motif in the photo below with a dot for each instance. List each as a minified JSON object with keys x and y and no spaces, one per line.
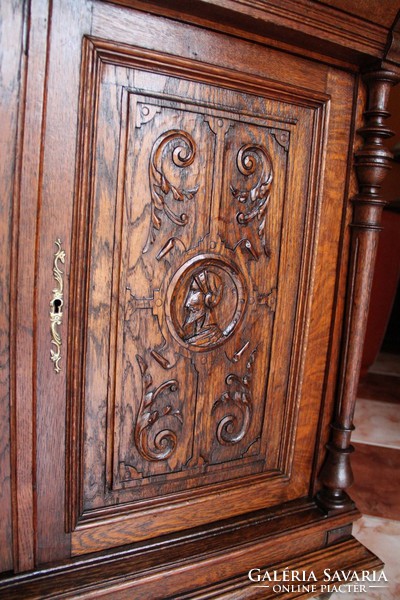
{"x":256,"y":200}
{"x":229,"y":430}
{"x":161,"y":359}
{"x":145,"y":113}
{"x":162,"y":444}
{"x":218,"y":125}
{"x":136,"y":303}
{"x":128,"y":472}
{"x":183,"y":151}
{"x":282,"y":137}
{"x":246,"y":246}
{"x":170,"y":245}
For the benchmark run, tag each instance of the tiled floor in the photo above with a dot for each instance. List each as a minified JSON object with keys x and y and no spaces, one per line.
{"x":377,"y":473}
{"x":377,"y":423}
{"x":381,"y":536}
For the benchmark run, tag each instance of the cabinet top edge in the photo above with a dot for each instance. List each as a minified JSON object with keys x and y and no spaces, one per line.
{"x":309,"y":27}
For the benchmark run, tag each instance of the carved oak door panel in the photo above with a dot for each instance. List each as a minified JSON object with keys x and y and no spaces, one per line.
{"x":189,"y":280}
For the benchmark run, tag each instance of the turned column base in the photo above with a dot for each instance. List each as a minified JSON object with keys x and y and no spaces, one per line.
{"x":336,"y":474}
{"x":334,"y":500}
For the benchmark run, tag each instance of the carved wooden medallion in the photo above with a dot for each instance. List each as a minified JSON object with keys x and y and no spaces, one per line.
{"x":206,"y":302}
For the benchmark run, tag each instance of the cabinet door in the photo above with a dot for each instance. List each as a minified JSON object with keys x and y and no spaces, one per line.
{"x":185,"y":332}
{"x":183,"y":177}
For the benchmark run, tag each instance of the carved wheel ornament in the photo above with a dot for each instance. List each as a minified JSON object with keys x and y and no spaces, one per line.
{"x":206,"y":300}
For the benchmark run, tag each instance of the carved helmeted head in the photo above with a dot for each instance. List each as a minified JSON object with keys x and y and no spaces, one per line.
{"x":204,"y":294}
{"x":206,"y":300}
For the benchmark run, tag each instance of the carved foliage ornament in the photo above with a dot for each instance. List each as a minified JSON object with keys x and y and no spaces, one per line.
{"x":183,"y":150}
{"x":155,"y":445}
{"x":230,"y":429}
{"x":256,"y":200}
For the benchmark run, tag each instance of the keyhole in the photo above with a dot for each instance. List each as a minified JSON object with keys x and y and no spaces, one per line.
{"x":57,"y":305}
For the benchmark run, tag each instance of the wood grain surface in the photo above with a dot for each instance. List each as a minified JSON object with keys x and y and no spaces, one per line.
{"x":11,"y":81}
{"x":197,"y":176}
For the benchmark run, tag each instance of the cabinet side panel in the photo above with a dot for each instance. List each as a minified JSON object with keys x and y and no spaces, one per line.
{"x":11,"y":36}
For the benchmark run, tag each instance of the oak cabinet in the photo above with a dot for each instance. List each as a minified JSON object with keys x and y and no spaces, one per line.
{"x":181,"y":258}
{"x":193,"y":257}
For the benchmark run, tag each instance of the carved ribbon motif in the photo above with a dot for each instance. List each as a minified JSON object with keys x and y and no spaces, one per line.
{"x":257,"y":198}
{"x":161,"y":445}
{"x":239,"y":395}
{"x":183,"y":154}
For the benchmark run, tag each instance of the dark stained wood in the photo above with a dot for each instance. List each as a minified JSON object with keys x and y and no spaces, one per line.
{"x":376,"y":11}
{"x":349,"y":554}
{"x":195,"y":177}
{"x":372,"y":161}
{"x":393,"y":52}
{"x":381,"y":501}
{"x":11,"y":81}
{"x":331,"y":375}
{"x":58,"y":162}
{"x":344,"y":37}
{"x":215,"y":553}
{"x":227,"y":261}
{"x":26,"y":204}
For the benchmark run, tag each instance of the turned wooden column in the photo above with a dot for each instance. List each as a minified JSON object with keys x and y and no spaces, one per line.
{"x":372,"y":161}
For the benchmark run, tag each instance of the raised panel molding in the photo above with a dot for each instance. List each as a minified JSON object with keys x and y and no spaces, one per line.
{"x":186,"y":210}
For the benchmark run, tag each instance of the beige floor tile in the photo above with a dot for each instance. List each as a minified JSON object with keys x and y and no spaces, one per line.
{"x":377,"y":423}
{"x":382,"y":537}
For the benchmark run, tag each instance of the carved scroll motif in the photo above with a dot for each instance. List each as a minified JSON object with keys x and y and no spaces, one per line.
{"x":246,"y":245}
{"x":251,"y":156}
{"x":162,"y":444}
{"x":229,"y":430}
{"x":183,"y":150}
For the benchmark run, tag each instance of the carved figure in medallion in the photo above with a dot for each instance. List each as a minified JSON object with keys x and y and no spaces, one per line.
{"x":205,"y":302}
{"x":204,"y":294}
